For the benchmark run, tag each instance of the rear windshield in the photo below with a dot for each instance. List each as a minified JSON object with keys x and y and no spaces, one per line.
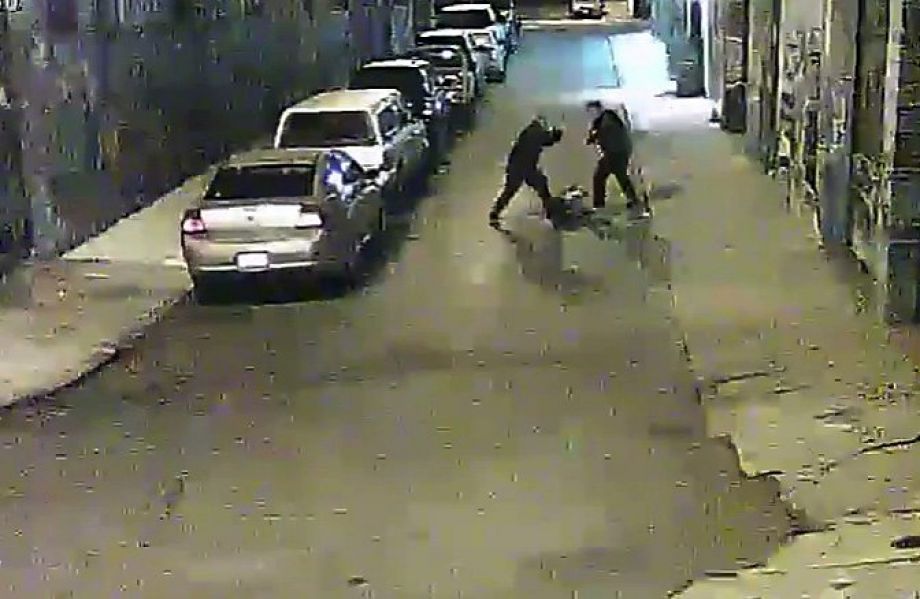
{"x":484,"y":38}
{"x":254,"y":182}
{"x":464,"y":19}
{"x":447,"y":40}
{"x":459,"y":42}
{"x":442,"y":57}
{"x":326,"y":130}
{"x":409,"y":81}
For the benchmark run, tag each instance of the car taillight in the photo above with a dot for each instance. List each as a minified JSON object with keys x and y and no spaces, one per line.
{"x":192,"y":223}
{"x":309,"y":218}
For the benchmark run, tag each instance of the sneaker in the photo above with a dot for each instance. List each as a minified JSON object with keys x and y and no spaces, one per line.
{"x":639,"y":212}
{"x":494,"y":219}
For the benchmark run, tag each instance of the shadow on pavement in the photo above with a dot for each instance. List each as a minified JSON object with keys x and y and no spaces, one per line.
{"x":539,"y":252}
{"x":665,"y":191}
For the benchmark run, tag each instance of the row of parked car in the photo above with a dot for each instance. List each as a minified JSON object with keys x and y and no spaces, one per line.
{"x":345,"y":159}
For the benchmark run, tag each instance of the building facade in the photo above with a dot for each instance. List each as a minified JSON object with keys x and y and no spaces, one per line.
{"x":828,"y":93}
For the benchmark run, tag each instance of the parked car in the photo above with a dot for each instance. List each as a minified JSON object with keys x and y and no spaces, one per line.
{"x":372,"y":125}
{"x":453,"y":73}
{"x":480,"y":22}
{"x":475,"y":17}
{"x":588,"y":8}
{"x":509,"y":17}
{"x":415,"y":80}
{"x":463,"y":39}
{"x":496,"y":58}
{"x":271,"y":211}
{"x":508,"y":14}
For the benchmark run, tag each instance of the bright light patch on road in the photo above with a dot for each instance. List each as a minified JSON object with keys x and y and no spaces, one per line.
{"x":644,"y":85}
{"x":641,"y":61}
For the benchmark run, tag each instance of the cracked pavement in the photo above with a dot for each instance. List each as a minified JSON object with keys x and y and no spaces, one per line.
{"x":812,"y":389}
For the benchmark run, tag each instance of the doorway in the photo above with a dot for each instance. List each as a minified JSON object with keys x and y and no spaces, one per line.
{"x":769,"y":78}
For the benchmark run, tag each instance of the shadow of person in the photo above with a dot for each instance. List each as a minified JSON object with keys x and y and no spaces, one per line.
{"x":539,"y":252}
{"x":664,"y":191}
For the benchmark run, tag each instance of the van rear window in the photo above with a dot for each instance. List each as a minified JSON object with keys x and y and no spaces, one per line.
{"x":464,"y":19}
{"x":326,"y":130}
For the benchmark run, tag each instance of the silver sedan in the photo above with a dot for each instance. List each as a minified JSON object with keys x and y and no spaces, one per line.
{"x":281,"y":211}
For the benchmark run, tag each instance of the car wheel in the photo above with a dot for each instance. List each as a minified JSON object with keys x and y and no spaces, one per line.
{"x":465,"y":118}
{"x":349,"y":275}
{"x":204,"y":290}
{"x":402,"y":190}
{"x":381,"y":225}
{"x":421,"y":177}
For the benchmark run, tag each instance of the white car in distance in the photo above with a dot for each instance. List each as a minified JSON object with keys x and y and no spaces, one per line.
{"x":490,"y":35}
{"x":464,"y":40}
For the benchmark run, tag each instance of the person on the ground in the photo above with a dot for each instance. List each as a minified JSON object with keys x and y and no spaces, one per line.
{"x":609,"y":132}
{"x":523,"y":166}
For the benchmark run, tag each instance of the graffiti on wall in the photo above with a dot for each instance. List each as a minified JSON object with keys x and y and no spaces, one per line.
{"x":115,"y":115}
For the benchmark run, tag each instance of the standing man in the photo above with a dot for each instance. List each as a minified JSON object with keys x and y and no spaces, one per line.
{"x":611,"y":135}
{"x":523,"y":166}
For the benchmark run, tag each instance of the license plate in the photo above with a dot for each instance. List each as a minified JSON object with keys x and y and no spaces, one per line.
{"x":252,"y":261}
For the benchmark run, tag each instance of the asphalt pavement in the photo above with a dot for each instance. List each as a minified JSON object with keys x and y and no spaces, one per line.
{"x":490,"y":415}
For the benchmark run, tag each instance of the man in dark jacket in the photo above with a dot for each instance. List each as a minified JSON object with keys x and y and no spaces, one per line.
{"x":611,"y":136}
{"x":523,"y":166}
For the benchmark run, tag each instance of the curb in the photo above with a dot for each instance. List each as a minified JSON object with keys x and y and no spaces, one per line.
{"x":101,"y":356}
{"x":109,"y":351}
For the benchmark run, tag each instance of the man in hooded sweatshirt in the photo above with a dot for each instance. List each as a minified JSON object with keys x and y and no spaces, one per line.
{"x":611,"y":135}
{"x":523,"y":166}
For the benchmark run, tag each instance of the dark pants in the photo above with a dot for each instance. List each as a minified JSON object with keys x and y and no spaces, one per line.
{"x":515,"y":177}
{"x":618,"y":166}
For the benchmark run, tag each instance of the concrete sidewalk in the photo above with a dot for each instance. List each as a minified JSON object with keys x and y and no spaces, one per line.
{"x":797,"y":367}
{"x":800,"y":373}
{"x":65,"y":318}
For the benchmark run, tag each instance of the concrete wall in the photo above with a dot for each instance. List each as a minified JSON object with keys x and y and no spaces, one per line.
{"x":842,"y":119}
{"x":671,"y":24}
{"x":903,"y":138}
{"x":116,"y":101}
{"x":669,"y":19}
{"x":838,"y":69}
{"x":715,"y":80}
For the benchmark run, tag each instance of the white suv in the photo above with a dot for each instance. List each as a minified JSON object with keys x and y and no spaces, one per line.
{"x":490,"y":34}
{"x":371,"y":125}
